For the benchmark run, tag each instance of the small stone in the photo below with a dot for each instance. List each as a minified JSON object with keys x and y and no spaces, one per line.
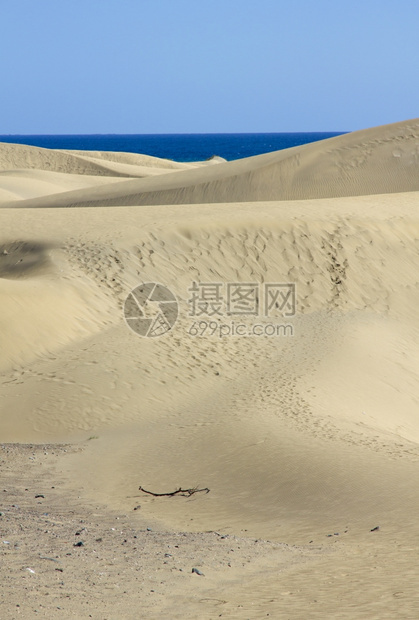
{"x":79,"y":544}
{"x":375,"y":529}
{"x":198,"y":572}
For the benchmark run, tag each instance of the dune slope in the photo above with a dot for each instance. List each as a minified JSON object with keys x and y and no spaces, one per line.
{"x":347,"y":165}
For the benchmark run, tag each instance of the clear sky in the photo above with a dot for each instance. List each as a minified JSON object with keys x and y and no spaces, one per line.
{"x":204,"y":66}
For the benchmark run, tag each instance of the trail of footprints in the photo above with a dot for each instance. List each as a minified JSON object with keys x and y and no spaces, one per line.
{"x":287,"y":253}
{"x":282,"y":253}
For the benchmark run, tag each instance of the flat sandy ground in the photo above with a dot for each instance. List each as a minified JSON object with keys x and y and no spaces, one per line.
{"x":308,"y":440}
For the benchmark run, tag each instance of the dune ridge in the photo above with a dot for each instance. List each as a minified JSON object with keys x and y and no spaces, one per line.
{"x":21,"y":156}
{"x":29,"y":172}
{"x":346,"y":165}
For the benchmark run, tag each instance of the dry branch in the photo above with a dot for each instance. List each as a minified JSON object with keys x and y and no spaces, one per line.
{"x":180,"y":491}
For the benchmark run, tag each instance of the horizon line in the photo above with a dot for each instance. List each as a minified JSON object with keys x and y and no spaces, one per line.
{"x":211,"y":133}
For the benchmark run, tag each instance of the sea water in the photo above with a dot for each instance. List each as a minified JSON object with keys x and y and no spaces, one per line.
{"x":178,"y":147}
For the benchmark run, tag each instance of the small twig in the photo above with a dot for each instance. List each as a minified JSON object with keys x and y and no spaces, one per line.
{"x":180,"y":491}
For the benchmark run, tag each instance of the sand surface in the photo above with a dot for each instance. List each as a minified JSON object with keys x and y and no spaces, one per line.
{"x":307,"y":442}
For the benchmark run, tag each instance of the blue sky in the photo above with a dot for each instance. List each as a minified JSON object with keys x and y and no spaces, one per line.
{"x":203,"y":66}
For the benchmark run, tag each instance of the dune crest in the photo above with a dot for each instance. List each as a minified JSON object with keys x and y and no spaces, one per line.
{"x":372,"y":161}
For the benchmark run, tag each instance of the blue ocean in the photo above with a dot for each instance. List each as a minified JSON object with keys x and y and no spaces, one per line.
{"x":178,"y":147}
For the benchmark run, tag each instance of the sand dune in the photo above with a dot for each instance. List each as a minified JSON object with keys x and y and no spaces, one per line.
{"x":28,"y":172}
{"x":19,"y":157}
{"x":310,"y":439}
{"x":347,"y":165}
{"x":24,"y":184}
